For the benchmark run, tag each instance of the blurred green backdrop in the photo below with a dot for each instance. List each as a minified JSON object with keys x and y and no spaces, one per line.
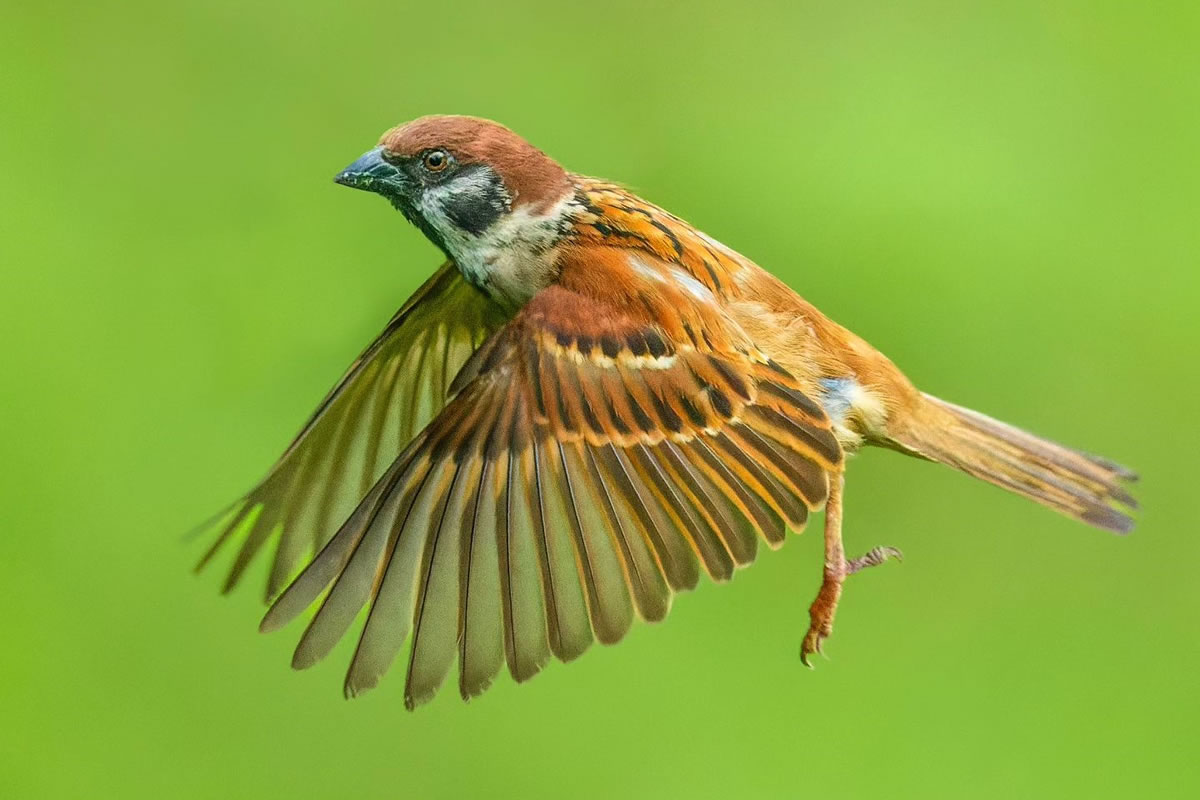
{"x":1001,"y":196}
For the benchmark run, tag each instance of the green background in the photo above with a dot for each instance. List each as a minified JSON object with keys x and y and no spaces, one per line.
{"x":1001,"y":196}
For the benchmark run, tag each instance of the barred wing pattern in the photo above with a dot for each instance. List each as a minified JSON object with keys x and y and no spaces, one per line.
{"x":589,"y":469}
{"x":391,"y":391}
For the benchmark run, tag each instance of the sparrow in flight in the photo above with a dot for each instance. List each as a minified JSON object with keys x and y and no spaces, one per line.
{"x":587,"y":406}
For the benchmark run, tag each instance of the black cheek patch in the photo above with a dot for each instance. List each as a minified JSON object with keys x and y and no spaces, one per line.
{"x":478,"y":203}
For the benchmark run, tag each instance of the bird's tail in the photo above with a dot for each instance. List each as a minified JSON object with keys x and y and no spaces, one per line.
{"x":1077,"y":484}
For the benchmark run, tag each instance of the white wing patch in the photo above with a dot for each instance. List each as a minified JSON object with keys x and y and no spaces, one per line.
{"x":645,"y":270}
{"x":692,"y":286}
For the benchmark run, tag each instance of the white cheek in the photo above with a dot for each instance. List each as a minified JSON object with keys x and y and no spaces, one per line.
{"x":430,"y":206}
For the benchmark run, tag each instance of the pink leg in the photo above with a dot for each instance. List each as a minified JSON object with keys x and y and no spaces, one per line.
{"x":823,"y":609}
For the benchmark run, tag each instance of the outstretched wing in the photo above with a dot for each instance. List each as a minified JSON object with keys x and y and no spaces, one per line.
{"x":589,"y":468}
{"x":389,"y":393}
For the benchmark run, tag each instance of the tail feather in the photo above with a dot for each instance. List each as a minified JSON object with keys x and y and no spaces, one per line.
{"x":1083,"y":486}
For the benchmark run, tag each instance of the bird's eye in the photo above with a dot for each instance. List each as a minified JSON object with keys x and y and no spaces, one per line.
{"x":436,"y":160}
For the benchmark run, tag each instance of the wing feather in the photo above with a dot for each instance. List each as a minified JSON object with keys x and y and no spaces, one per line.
{"x":669,"y":544}
{"x":577,"y":479}
{"x":749,"y":505}
{"x":571,"y":634}
{"x":738,"y":533}
{"x":650,"y":591}
{"x":435,"y":618}
{"x":481,"y":628}
{"x":391,"y":391}
{"x":609,"y":607}
{"x":371,"y":548}
{"x":395,"y":582}
{"x":522,"y":566}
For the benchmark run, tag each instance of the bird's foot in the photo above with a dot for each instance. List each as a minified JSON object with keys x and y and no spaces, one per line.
{"x":820,"y":615}
{"x":824,"y":608}
{"x":873,"y":558}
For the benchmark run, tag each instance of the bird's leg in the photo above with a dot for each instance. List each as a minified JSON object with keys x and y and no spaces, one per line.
{"x":822,"y":611}
{"x":823,"y":608}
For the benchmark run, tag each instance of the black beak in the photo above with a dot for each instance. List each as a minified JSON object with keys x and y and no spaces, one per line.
{"x":372,"y":173}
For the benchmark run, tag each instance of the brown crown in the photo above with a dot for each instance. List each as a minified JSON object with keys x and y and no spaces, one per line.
{"x":532,"y":177}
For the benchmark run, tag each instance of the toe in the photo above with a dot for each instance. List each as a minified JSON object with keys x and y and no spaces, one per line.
{"x":813,"y":641}
{"x":873,"y":558}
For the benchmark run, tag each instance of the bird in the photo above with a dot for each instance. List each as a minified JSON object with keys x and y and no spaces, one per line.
{"x":589,"y":405}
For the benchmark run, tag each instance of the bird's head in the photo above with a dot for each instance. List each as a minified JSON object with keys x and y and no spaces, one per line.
{"x":461,"y":180}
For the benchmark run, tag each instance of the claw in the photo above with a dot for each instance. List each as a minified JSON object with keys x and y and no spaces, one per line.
{"x":814,"y":642}
{"x":810,"y":645}
{"x":821,"y":618}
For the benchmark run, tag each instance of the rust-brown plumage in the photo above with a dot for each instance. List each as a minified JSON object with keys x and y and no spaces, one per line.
{"x":501,"y":482}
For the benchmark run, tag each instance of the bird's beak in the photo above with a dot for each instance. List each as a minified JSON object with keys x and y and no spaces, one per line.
{"x":372,"y":173}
